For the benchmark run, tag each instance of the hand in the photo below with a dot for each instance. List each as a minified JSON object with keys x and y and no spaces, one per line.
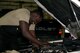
{"x":35,"y":45}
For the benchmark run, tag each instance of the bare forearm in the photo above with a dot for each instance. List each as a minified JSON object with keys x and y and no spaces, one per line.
{"x":33,"y":33}
{"x":26,"y":33}
{"x":29,"y":36}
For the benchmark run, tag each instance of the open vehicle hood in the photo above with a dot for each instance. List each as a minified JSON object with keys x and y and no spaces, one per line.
{"x":65,"y":12}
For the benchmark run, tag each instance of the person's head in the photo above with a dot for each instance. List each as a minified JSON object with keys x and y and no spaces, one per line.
{"x":36,"y":16}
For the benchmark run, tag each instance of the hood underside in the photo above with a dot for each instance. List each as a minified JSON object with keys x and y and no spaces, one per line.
{"x":65,"y":12}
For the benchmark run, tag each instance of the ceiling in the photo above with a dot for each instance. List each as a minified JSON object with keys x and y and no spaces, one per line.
{"x":13,"y":4}
{"x":19,"y":0}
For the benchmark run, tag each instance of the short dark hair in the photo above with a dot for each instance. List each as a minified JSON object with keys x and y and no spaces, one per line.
{"x":39,"y":12}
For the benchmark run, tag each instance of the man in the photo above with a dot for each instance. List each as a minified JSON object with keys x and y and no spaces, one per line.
{"x":19,"y":21}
